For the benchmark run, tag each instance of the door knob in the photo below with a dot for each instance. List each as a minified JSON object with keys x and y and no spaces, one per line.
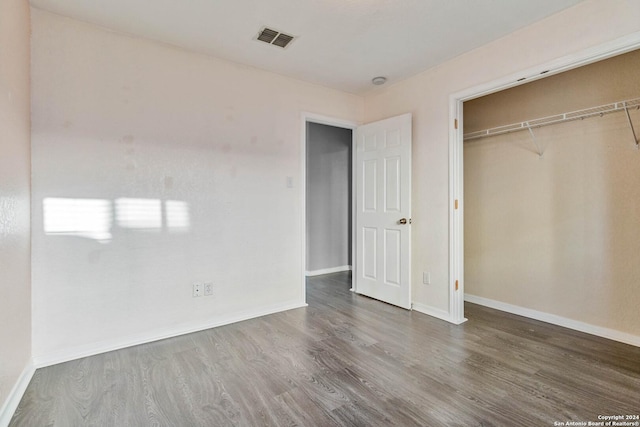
{"x":404,"y":221}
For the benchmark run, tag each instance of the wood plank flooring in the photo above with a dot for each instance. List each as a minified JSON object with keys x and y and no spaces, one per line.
{"x":346,"y":360}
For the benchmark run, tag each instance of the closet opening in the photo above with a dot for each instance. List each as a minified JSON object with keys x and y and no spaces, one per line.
{"x":551,"y":198}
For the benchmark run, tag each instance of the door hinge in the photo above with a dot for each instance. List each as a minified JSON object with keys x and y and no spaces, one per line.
{"x":455,"y":204}
{"x":456,"y":285}
{"x":455,"y":123}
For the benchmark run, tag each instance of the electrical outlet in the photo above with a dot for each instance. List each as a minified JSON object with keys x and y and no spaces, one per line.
{"x":426,"y":278}
{"x":197,"y":290}
{"x":208,"y":289}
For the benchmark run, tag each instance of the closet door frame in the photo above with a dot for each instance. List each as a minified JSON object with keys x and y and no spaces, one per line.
{"x":456,"y":125}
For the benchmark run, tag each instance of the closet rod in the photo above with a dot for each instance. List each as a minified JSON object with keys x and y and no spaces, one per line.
{"x":558,"y":118}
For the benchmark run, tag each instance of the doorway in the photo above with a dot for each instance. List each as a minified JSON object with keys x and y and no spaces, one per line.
{"x":329,"y":203}
{"x":329,"y":159}
{"x":380,"y":220}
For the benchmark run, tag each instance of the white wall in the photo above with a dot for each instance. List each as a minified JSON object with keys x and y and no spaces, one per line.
{"x":328,"y":197}
{"x":156,"y":136}
{"x":426,"y":95}
{"x":15,"y":168}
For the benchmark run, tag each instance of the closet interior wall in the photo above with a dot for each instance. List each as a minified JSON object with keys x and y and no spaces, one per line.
{"x":558,"y":234}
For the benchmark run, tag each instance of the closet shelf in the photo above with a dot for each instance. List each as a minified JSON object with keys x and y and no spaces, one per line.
{"x":559,"y":118}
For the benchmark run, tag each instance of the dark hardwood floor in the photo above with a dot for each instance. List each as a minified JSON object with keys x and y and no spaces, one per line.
{"x":346,"y":360}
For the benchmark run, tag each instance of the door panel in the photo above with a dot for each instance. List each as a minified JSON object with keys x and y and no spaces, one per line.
{"x":392,"y":184}
{"x":370,"y":258}
{"x":370,"y":185}
{"x":383,"y":244}
{"x":392,"y":255}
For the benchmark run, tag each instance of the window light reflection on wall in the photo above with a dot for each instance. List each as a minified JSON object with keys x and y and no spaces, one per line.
{"x":139,"y":213}
{"x":177,"y":214}
{"x":90,"y":218}
{"x":94,"y":218}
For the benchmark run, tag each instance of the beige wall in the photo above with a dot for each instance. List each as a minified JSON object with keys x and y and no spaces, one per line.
{"x":427,"y":96}
{"x":557,"y":234}
{"x":15,"y":286}
{"x":133,"y":123}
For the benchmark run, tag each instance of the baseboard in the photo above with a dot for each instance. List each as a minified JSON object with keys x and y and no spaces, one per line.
{"x":43,"y":360}
{"x":432,"y":311}
{"x":15,"y":395}
{"x":611,"y":334}
{"x":328,"y":270}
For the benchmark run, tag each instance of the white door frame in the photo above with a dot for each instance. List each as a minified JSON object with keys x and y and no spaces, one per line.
{"x":339,"y":123}
{"x":456,"y":172}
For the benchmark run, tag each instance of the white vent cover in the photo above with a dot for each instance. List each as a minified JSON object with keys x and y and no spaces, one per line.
{"x":274,"y":37}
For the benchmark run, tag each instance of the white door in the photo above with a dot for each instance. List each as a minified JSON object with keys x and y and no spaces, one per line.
{"x":383,"y":210}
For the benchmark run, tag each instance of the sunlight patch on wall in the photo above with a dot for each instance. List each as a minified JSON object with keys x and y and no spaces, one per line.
{"x":139,"y":213}
{"x":90,"y":218}
{"x":177,"y":214}
{"x":99,"y":219}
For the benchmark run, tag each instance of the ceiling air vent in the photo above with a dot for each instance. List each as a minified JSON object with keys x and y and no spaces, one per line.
{"x":274,"y":37}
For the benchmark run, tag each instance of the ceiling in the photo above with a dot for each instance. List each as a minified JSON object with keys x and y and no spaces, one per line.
{"x":341,"y":44}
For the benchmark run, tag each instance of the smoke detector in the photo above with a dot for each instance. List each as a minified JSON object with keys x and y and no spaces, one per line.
{"x":274,"y":37}
{"x":379,"y":80}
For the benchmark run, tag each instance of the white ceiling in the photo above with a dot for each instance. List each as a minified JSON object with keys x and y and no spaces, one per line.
{"x":341,"y":44}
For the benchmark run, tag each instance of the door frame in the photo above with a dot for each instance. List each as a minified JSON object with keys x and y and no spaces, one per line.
{"x":307,"y":117}
{"x":456,"y":154}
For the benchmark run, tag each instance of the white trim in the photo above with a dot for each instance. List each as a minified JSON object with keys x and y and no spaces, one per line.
{"x":43,"y":360}
{"x":15,"y":395}
{"x":329,"y":121}
{"x":456,"y":223}
{"x":435,"y":312}
{"x":354,"y":204}
{"x":328,"y":270}
{"x":456,"y":178}
{"x":345,"y":124}
{"x":565,"y":322}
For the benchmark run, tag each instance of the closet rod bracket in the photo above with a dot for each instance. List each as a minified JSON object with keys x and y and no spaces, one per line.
{"x":633,"y":131}
{"x":533,"y":138}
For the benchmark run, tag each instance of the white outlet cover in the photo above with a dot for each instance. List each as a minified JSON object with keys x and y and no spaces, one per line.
{"x":197,"y":289}
{"x":208,"y":289}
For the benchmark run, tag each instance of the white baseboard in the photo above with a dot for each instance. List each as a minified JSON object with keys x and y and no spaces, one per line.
{"x":432,"y":311}
{"x":43,"y":360}
{"x":328,"y":270}
{"x":15,"y":395}
{"x":556,"y":320}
